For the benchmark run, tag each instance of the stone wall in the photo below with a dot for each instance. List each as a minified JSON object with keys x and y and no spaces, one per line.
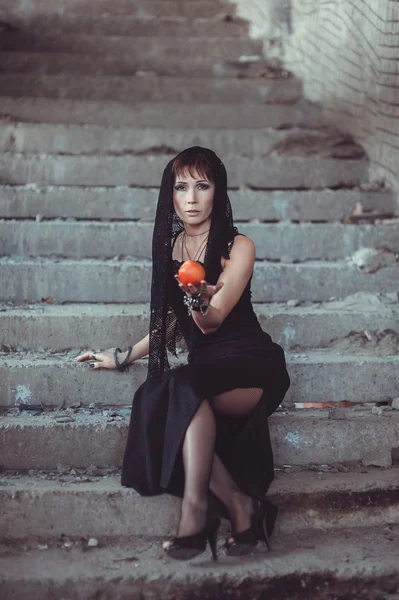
{"x":347,"y":54}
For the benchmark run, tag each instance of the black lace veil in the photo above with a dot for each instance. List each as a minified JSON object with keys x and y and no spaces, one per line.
{"x":169,"y":320}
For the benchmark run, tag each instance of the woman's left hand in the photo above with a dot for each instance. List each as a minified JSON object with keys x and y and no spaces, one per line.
{"x":206,"y":291}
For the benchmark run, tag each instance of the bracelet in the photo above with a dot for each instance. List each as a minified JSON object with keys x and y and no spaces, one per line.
{"x":196,"y":304}
{"x":123,"y":365}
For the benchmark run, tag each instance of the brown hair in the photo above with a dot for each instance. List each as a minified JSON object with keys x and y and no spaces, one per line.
{"x":188,"y":163}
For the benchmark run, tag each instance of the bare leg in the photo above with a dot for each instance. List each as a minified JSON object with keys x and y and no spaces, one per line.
{"x":235,"y":403}
{"x":198,"y":453}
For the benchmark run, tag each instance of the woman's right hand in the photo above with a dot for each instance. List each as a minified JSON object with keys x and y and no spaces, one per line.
{"x":98,"y":360}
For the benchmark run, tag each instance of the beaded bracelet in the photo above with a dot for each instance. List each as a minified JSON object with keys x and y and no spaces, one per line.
{"x":195,"y":303}
{"x":123,"y":365}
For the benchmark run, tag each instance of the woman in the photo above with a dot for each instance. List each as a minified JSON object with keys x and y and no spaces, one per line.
{"x":200,"y":431}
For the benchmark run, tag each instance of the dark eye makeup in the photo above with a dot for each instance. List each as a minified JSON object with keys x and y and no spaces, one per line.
{"x":180,"y":187}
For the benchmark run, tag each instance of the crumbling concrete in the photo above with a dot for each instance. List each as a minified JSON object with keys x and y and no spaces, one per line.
{"x":151,"y":88}
{"x":93,"y":437}
{"x":124,"y":25}
{"x":135,"y":47}
{"x":282,"y":241}
{"x":101,"y":507}
{"x":93,"y":139}
{"x":166,"y":115}
{"x":346,"y":563}
{"x":270,"y":172}
{"x":126,"y":65}
{"x":135,"y":8}
{"x":319,"y":376}
{"x":55,"y":327}
{"x":94,"y":280}
{"x":124,"y":203}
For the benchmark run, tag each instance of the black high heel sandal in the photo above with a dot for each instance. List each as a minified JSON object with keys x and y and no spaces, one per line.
{"x":262,"y":524}
{"x":184,"y":548}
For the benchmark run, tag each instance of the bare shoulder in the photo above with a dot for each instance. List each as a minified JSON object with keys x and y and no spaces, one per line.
{"x":243,"y":251}
{"x":243,"y":248}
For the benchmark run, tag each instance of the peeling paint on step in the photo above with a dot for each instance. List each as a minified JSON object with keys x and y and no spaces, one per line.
{"x":23,"y":395}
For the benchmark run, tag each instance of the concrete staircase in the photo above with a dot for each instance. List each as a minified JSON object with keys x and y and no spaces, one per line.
{"x":95,"y":97}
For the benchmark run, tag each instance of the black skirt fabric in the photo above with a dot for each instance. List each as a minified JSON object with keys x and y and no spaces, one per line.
{"x":164,"y":406}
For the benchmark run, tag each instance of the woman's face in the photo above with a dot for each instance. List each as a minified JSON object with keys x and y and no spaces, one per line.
{"x":193,"y":198}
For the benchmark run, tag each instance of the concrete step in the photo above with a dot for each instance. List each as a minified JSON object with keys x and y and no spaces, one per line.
{"x":126,"y":65}
{"x":62,"y":327}
{"x":316,"y":376}
{"x":270,"y":172}
{"x":94,"y":139}
{"x":164,"y":115}
{"x":124,"y":203}
{"x":132,"y":8}
{"x":103,"y":508}
{"x":126,"y":280}
{"x":296,"y":242}
{"x":93,"y":439}
{"x":151,"y":88}
{"x":19,"y":43}
{"x":348,"y":563}
{"x":25,"y":26}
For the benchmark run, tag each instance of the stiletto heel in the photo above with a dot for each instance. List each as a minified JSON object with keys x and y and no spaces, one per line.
{"x":262,"y":525}
{"x":184,"y":548}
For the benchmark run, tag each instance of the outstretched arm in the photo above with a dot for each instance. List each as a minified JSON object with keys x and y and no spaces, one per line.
{"x":229,"y":288}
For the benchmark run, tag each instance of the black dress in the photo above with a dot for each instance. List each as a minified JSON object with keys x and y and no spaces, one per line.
{"x":238,"y":355}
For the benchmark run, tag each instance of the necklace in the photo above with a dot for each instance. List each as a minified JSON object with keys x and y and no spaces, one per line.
{"x":195,"y":234}
{"x":199,"y":251}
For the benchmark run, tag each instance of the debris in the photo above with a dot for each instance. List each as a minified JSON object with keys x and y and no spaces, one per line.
{"x":249,"y":59}
{"x":68,"y":543}
{"x":380,"y":458}
{"x":48,"y":300}
{"x":370,"y":260}
{"x":38,"y":218}
{"x":342,"y":468}
{"x":293,"y":303}
{"x":125,"y":412}
{"x":42,"y":547}
{"x":326,"y":144}
{"x":92,"y":543}
{"x":109,"y":412}
{"x":92,"y":470}
{"x":395,"y":403}
{"x":30,"y":407}
{"x":64,"y":419}
{"x":286,"y":259}
{"x":75,"y":405}
{"x":7,"y":348}
{"x":392,"y":297}
{"x":61,"y":405}
{"x":358,"y":210}
{"x":62,"y":469}
{"x":360,"y":301}
{"x":379,"y":410}
{"x":365,"y":343}
{"x":337,"y":414}
{"x":320,"y":468}
{"x":391,"y":221}
{"x":127,"y":559}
